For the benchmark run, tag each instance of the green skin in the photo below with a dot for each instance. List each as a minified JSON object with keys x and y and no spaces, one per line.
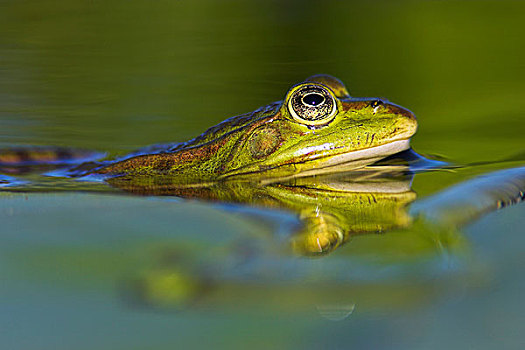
{"x":270,"y":143}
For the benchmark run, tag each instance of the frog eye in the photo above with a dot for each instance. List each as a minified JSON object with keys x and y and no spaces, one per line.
{"x":312,"y":105}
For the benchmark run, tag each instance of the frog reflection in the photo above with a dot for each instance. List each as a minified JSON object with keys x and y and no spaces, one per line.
{"x":331,"y":208}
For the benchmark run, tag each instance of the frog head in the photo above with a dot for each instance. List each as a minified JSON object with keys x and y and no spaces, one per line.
{"x":320,"y":128}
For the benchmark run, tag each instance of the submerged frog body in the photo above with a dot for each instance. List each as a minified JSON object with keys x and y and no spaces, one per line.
{"x":317,"y":128}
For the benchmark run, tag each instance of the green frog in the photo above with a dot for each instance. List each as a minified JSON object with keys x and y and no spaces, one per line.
{"x":318,"y":128}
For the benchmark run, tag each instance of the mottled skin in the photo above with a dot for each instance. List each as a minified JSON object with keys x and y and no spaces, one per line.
{"x":271,"y":143}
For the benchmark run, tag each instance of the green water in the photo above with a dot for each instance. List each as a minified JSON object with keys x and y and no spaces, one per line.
{"x":114,"y":76}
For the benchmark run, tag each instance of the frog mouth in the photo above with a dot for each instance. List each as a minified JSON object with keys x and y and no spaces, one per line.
{"x":368,"y":154}
{"x":344,"y":161}
{"x":347,"y":161}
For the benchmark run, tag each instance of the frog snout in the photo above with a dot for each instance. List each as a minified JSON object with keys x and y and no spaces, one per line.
{"x":407,"y":121}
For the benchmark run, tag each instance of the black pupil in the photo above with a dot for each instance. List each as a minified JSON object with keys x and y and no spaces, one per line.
{"x":313,"y":99}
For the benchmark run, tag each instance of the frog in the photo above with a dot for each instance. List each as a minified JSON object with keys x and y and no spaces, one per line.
{"x":317,"y":128}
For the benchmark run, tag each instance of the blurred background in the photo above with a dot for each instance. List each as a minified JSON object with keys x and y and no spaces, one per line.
{"x":114,"y":75}
{"x":117,"y":75}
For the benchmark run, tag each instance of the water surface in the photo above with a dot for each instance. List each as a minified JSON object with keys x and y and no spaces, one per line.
{"x":113,"y":76}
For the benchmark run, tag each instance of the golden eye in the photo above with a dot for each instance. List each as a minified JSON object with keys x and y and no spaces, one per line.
{"x":312,"y":105}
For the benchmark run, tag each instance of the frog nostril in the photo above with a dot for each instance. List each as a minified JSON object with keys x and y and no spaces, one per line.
{"x":376,"y":103}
